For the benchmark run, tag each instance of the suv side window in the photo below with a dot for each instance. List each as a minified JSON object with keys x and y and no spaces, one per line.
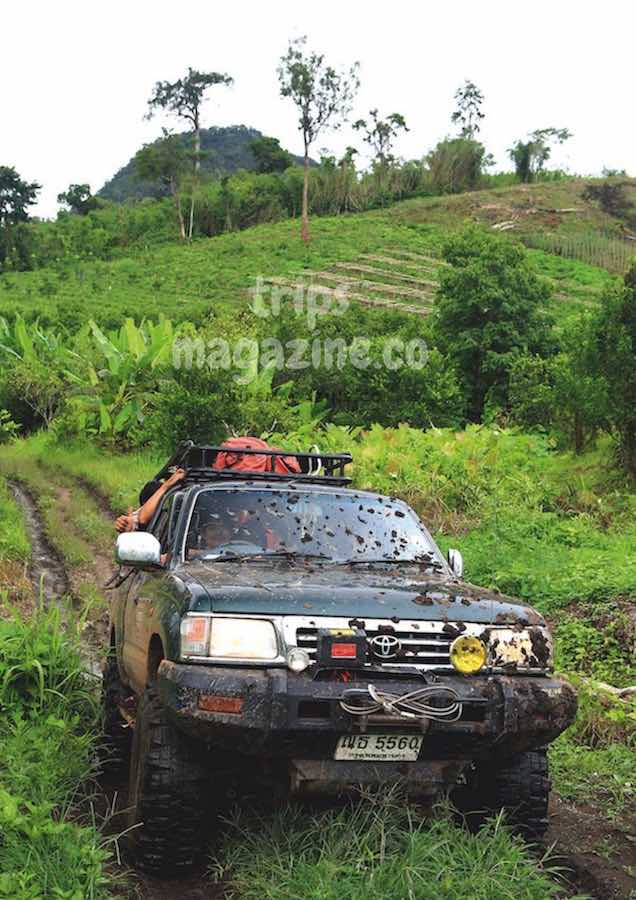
{"x":163,"y":527}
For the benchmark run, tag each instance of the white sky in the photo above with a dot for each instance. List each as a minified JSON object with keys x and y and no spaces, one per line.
{"x":75,"y":76}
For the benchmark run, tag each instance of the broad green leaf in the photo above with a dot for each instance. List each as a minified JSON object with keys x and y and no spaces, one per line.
{"x":105,"y":421}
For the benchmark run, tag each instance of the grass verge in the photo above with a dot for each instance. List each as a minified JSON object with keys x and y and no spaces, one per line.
{"x":49,"y":719}
{"x":378,"y":850}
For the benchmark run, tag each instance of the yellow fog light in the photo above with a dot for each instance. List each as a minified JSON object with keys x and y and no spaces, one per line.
{"x":468,"y":654}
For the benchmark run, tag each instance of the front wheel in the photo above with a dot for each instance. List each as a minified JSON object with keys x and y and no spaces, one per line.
{"x":520,"y":786}
{"x":167,"y":796}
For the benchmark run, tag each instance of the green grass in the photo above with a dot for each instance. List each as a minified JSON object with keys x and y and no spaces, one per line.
{"x":14,"y":541}
{"x":190,"y":282}
{"x":377,"y":851}
{"x":74,"y":527}
{"x":602,"y":777}
{"x":49,"y":718}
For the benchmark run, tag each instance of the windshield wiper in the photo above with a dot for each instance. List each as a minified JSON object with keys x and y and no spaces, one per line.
{"x":286,"y":554}
{"x":266,"y":554}
{"x":424,"y":560}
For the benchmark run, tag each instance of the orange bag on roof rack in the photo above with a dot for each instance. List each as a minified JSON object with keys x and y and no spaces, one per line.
{"x":230,"y":457}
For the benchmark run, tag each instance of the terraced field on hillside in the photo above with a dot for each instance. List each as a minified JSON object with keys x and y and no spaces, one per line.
{"x":399,"y":279}
{"x":388,"y":257}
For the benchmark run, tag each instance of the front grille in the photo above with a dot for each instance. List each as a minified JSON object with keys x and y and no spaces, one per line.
{"x":424,"y":648}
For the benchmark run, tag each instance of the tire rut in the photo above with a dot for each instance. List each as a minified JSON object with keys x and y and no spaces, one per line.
{"x":50,"y":578}
{"x":46,"y":570}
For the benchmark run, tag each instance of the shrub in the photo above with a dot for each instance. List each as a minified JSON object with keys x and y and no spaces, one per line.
{"x":456,"y":165}
{"x":491,"y":309}
{"x":613,"y":359}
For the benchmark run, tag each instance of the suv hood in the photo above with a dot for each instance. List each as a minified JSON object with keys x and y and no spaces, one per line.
{"x":307,"y":589}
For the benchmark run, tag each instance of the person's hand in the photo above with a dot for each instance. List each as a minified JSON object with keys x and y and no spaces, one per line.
{"x":125,"y":523}
{"x":177,"y":476}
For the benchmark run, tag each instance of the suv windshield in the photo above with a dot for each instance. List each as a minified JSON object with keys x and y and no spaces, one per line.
{"x":340,"y":527}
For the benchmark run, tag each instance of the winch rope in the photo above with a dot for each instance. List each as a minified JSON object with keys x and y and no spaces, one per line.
{"x":414,"y":705}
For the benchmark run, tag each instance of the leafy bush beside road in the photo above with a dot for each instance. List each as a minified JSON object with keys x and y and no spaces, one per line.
{"x":49,"y":725}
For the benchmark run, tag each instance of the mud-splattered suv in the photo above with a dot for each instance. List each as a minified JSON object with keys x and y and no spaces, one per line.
{"x":293,"y":632}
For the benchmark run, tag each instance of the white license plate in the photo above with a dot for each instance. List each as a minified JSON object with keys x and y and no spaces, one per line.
{"x":380,"y":747}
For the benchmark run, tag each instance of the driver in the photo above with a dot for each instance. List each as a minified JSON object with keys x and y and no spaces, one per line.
{"x":219,"y":532}
{"x":216,"y":533}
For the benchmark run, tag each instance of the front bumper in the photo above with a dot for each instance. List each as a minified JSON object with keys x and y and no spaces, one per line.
{"x":285,"y":716}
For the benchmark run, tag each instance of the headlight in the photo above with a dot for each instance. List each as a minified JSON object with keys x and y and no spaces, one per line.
{"x":530,"y":648}
{"x":209,"y":636}
{"x":243,"y":639}
{"x":468,"y":654}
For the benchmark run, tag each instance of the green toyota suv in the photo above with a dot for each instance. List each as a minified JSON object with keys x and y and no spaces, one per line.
{"x":289,"y":632}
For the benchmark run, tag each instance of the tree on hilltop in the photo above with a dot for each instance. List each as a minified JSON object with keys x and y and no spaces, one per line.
{"x":468,"y":114}
{"x":184,"y":99}
{"x":79,"y":199}
{"x":380,"y":134}
{"x":166,"y":162}
{"x":269,"y":155}
{"x":531,"y":156}
{"x":323,"y":97}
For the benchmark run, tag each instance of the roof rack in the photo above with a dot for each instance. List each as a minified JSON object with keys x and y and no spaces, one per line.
{"x":198,"y":461}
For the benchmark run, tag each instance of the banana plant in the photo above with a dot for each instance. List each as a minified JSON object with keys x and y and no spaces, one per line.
{"x":119,"y":375}
{"x":30,"y":343}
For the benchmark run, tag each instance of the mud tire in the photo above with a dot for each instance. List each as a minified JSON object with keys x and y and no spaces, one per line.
{"x":115,"y":753}
{"x":520,"y":786}
{"x":167,"y":796}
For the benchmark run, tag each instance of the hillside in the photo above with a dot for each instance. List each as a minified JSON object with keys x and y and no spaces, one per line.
{"x":225,"y":150}
{"x":386,"y":257}
{"x":556,"y":216}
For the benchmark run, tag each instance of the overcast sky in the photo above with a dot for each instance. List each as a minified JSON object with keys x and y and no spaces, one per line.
{"x":75,"y":76}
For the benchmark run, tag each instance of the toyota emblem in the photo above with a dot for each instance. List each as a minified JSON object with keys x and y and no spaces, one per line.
{"x":385,"y":646}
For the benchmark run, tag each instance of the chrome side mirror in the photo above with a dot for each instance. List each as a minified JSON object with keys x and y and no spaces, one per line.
{"x":456,"y":562}
{"x":138,"y":549}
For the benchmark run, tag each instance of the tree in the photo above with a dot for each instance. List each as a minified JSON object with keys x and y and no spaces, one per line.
{"x":560,"y":392}
{"x":323,"y":98}
{"x":491,"y":308}
{"x":456,"y":165}
{"x":468,"y":114}
{"x":184,"y":99}
{"x":379,"y":134}
{"x":79,"y":199}
{"x":530,"y":156}
{"x":613,"y":357}
{"x":269,"y":155}
{"x":165,"y":161}
{"x":16,"y":196}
